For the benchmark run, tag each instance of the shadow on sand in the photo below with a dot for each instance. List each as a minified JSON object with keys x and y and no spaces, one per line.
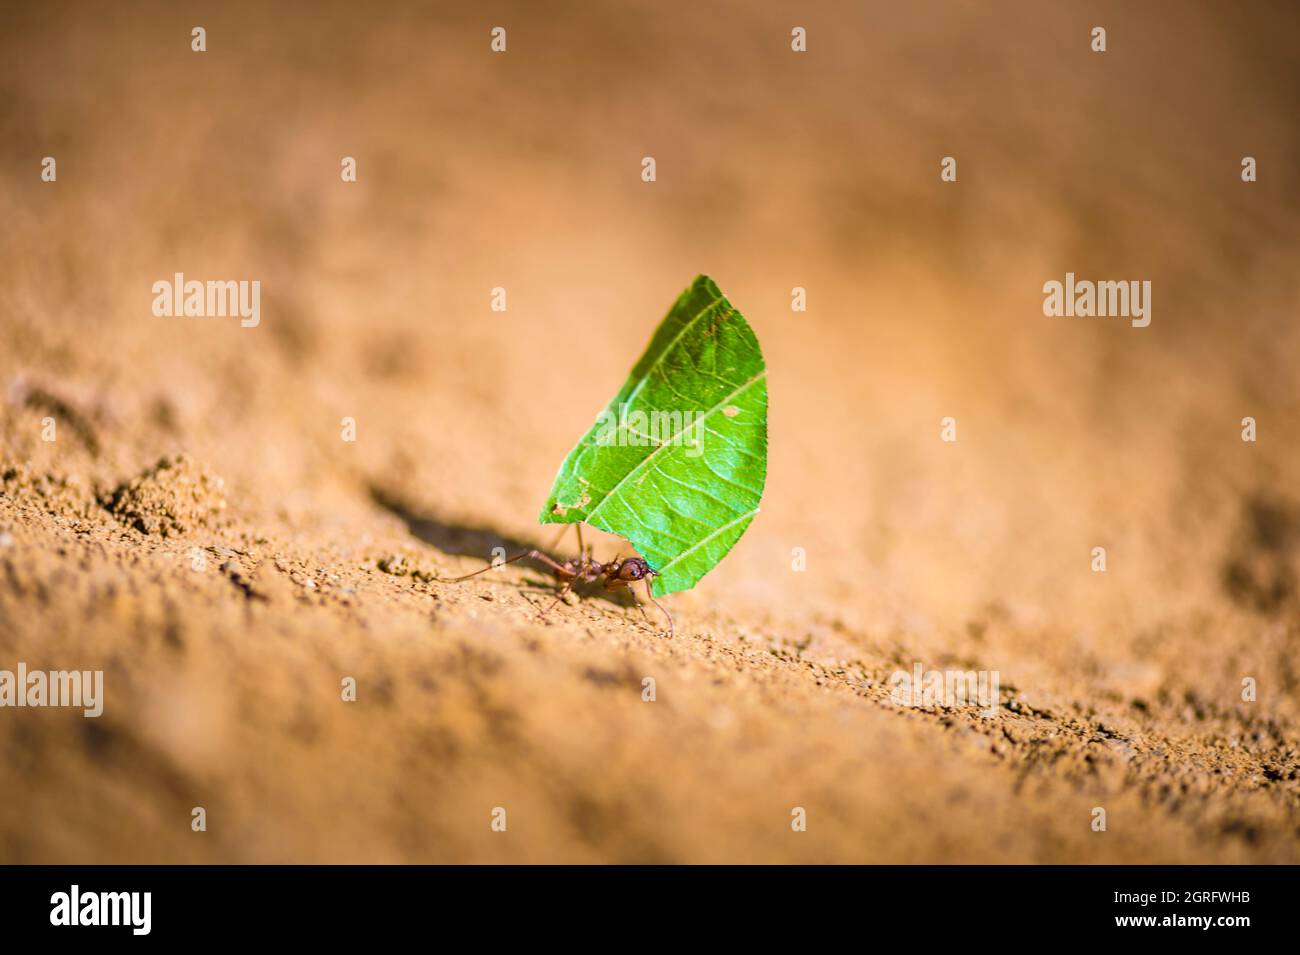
{"x":463,"y":540}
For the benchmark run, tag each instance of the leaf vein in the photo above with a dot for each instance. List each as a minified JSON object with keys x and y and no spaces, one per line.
{"x":669,"y":443}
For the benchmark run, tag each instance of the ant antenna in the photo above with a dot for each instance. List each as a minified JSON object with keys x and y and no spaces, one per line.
{"x":649,"y":577}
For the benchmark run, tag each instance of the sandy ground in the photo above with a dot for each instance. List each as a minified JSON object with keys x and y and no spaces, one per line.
{"x":200,"y":531}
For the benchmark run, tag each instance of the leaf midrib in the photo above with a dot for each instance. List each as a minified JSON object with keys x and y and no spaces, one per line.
{"x":670,"y":346}
{"x":704,"y":540}
{"x":670,"y":442}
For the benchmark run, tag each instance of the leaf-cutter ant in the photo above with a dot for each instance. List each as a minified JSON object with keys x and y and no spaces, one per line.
{"x":615,"y":574}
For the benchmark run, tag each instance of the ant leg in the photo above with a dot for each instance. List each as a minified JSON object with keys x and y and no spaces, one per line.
{"x":584,"y":551}
{"x":671,"y":628}
{"x":534,"y":554}
{"x":555,"y":545}
{"x":636,"y":601}
{"x":568,"y":585}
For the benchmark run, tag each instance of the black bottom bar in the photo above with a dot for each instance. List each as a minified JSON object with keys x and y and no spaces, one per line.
{"x":948,"y":904}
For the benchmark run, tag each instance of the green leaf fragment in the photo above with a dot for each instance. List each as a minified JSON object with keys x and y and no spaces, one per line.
{"x":677,"y":461}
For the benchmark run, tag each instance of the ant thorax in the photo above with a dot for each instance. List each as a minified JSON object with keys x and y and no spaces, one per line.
{"x":584,"y":568}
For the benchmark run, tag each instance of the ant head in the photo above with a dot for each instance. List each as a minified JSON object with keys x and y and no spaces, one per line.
{"x":634,"y":568}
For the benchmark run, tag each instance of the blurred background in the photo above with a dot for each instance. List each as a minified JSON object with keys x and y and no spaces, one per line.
{"x":775,"y":169}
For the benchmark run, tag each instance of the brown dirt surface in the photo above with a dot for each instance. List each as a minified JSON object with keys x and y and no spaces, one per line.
{"x":199,"y":530}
